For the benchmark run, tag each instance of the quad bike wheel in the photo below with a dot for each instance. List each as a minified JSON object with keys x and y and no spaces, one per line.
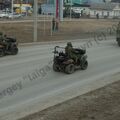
{"x":70,"y":68}
{"x":84,"y":65}
{"x":2,"y":53}
{"x":55,"y":68}
{"x":14,"y":51}
{"x":119,"y":43}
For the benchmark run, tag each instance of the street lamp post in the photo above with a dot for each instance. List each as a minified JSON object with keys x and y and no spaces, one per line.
{"x":70,"y":9}
{"x":61,"y":10}
{"x":56,"y":9}
{"x":12,"y":6}
{"x":35,"y":19}
{"x":21,"y":1}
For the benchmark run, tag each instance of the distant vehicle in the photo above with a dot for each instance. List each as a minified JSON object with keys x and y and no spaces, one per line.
{"x":66,"y":13}
{"x":68,"y":65}
{"x":14,"y":15}
{"x":4,"y":15}
{"x":76,"y":10}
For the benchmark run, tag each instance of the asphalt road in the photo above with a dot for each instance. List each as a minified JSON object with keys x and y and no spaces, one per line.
{"x":22,"y":92}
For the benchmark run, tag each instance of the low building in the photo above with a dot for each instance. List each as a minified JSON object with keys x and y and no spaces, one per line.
{"x":105,"y":10}
{"x":116,"y":10}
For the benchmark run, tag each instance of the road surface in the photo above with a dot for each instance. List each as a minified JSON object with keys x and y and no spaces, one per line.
{"x":24,"y":90}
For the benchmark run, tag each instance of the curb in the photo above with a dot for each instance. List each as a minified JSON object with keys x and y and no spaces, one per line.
{"x":61,"y":41}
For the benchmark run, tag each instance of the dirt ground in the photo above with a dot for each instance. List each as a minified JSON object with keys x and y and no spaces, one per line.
{"x":75,"y":29}
{"x":101,"y":104}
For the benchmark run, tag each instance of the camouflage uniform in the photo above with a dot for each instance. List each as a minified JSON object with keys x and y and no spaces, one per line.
{"x":70,"y":51}
{"x":3,"y":40}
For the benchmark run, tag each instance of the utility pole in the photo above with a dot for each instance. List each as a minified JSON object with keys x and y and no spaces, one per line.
{"x":12,"y":6}
{"x":21,"y":6}
{"x":56,"y":8}
{"x":70,"y":9}
{"x":61,"y":10}
{"x":35,"y":19}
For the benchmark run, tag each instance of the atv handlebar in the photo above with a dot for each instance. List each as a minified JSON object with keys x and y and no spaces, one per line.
{"x":77,"y":50}
{"x":59,"y":47}
{"x":55,"y":49}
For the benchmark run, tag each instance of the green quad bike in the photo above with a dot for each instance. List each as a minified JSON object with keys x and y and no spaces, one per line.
{"x":8,"y":47}
{"x":67,"y":65}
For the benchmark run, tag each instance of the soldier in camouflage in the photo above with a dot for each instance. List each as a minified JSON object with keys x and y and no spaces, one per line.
{"x":3,"y":40}
{"x":70,"y":51}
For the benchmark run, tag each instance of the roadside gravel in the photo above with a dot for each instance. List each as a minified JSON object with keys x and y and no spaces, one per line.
{"x":101,"y":104}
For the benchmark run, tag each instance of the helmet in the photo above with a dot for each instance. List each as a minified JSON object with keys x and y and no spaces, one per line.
{"x":69,"y":44}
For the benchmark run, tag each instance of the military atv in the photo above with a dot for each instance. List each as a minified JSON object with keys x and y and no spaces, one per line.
{"x":68,"y":65}
{"x":8,"y":47}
